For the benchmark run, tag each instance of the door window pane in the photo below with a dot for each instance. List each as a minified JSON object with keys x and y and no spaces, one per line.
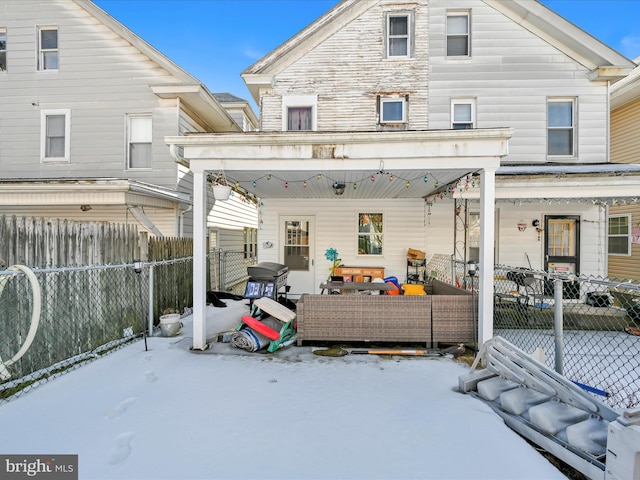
{"x":296,"y":249}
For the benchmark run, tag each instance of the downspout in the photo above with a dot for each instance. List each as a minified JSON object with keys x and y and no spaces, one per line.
{"x":181,"y":221}
{"x":608,"y":122}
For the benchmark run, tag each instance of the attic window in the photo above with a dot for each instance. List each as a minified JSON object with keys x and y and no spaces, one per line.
{"x":398,"y":33}
{"x":48,"y":48}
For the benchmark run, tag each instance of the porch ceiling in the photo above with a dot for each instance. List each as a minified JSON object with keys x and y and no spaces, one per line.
{"x":358,"y":184}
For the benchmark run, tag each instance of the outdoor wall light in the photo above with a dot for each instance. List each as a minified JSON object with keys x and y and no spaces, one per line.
{"x":137,"y":266}
{"x":472,"y":268}
{"x":338,"y":188}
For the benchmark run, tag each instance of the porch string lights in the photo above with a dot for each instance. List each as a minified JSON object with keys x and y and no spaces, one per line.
{"x":442,"y":191}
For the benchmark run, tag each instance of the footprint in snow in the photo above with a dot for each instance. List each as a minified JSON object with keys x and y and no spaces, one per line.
{"x":120,"y":408}
{"x":122,"y":448}
{"x":150,"y":376}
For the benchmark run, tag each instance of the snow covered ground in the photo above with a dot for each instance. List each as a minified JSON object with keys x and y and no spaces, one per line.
{"x":169,"y":413}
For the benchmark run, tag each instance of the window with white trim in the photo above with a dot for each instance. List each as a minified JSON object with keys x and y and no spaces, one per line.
{"x":3,"y":49}
{"x":393,"y":110}
{"x":299,"y":113}
{"x":139,"y":141}
{"x":458,"y":34}
{"x":47,"y":48}
{"x":619,"y":232}
{"x":561,"y":122}
{"x":398,"y":35}
{"x":370,"y":233}
{"x":55,"y":135}
{"x":463,"y":114}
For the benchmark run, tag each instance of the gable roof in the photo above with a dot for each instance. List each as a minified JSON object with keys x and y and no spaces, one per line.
{"x":191,"y":91}
{"x":604,"y":62}
{"x":627,"y":89}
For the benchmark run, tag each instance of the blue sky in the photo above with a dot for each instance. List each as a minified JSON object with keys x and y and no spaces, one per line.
{"x":215,"y":40}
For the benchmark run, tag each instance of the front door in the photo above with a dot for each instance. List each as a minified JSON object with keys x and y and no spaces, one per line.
{"x":562,"y":248}
{"x":298,"y":237}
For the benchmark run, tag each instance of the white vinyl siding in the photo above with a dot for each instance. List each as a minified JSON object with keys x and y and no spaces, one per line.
{"x":458,"y":34}
{"x":48,"y":48}
{"x":139,"y":141}
{"x":55,"y":135}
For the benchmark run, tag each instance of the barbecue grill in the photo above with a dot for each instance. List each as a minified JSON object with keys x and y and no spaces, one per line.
{"x":265,"y":279}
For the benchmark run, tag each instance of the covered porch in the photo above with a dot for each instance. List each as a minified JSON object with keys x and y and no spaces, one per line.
{"x":441,"y":158}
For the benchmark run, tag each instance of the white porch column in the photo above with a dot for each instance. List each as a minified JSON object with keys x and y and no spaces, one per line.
{"x":199,"y":261}
{"x":487,"y":240}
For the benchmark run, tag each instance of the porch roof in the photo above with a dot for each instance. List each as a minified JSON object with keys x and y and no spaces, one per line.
{"x":407,"y":164}
{"x":355,"y":155}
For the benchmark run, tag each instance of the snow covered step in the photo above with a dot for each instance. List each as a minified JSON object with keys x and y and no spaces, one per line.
{"x":589,"y":436}
{"x":492,"y":388}
{"x":519,"y":400}
{"x":554,"y":416}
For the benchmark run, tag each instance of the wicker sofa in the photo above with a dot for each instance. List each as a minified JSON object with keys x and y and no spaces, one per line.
{"x":443,"y":316}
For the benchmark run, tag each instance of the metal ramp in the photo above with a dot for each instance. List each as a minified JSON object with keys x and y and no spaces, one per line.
{"x":555,"y":413}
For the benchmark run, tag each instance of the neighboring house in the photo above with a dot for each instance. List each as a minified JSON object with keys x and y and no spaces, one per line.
{"x":85,"y":107}
{"x":624,"y":216}
{"x":470,"y":128}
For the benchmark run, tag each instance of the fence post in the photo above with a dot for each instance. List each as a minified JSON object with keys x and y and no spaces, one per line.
{"x":151,"y":312}
{"x":558,"y":326}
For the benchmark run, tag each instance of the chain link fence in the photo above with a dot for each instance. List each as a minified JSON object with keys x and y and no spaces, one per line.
{"x":587,"y":327}
{"x":228,"y":270}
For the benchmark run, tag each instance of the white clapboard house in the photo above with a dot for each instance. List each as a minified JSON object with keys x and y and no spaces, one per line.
{"x":474,"y":128}
{"x":86,"y":105}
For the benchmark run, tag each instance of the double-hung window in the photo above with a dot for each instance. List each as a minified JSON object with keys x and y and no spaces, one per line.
{"x":55,"y":135}
{"x":458,"y":34}
{"x":3,"y":49}
{"x":47,"y":48}
{"x":463,"y":114}
{"x":561,"y":127}
{"x":370,"y":233}
{"x":399,"y":35}
{"x":393,"y":109}
{"x":139,"y":141}
{"x":620,"y":235}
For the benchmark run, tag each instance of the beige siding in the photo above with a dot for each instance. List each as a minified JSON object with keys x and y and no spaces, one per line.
{"x":626,"y":267}
{"x":625,"y":141}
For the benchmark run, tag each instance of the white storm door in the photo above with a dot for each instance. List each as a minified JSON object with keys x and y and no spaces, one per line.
{"x":298,"y":238}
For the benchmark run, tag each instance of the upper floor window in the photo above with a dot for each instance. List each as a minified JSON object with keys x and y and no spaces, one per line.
{"x":463,"y":113}
{"x":370,"y":233}
{"x":561,"y":127}
{"x":620,"y":235}
{"x":55,"y":135}
{"x":393,"y":109}
{"x":458,"y":44}
{"x":299,"y":118}
{"x":47,"y":48}
{"x":299,"y":112}
{"x":139,"y":141}
{"x":3,"y":49}
{"x":398,"y":35}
